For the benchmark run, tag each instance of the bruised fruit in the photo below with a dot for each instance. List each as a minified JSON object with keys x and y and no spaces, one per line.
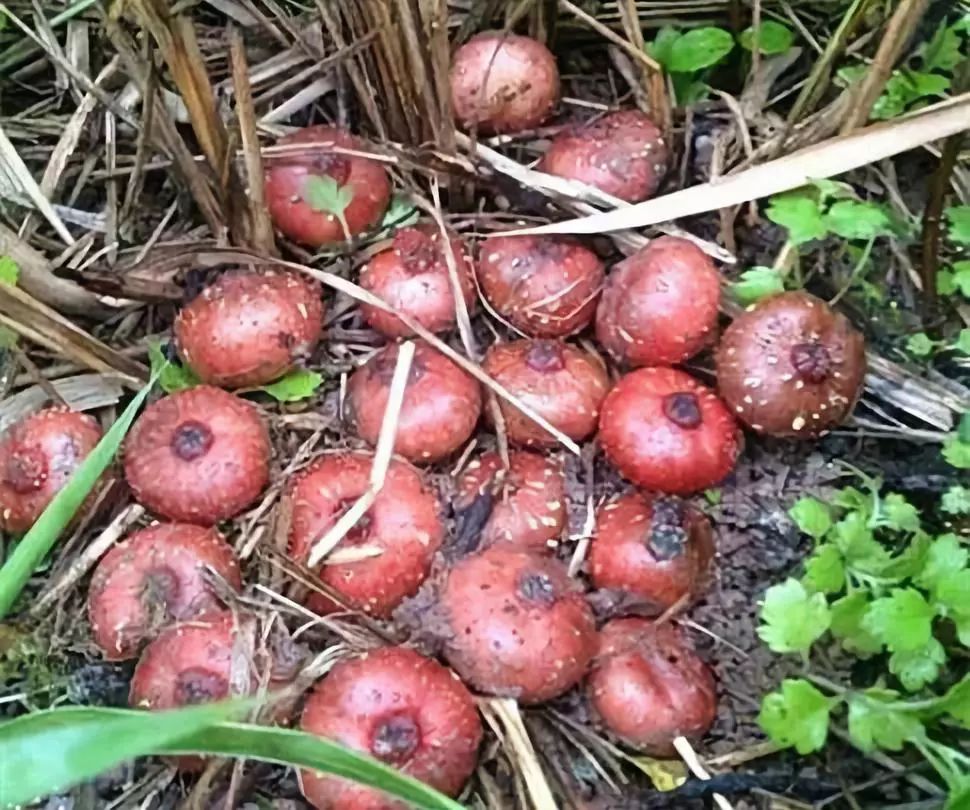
{"x":303,"y":188}
{"x":545,"y":286}
{"x":503,"y":83}
{"x":154,"y":578}
{"x":441,"y":405}
{"x":665,"y":431}
{"x":401,"y":708}
{"x":250,"y":328}
{"x":412,"y":276}
{"x":658,"y":549}
{"x":519,"y":626}
{"x":660,"y":305}
{"x":791,"y":366}
{"x":558,"y":381}
{"x":198,"y":456}
{"x":37,"y":457}
{"x":623,"y":154}
{"x":388,"y":553}
{"x":648,"y":686}
{"x":527,"y":502}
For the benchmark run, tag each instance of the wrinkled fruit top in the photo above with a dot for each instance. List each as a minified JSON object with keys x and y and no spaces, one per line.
{"x":412,"y":276}
{"x":623,"y":154}
{"x":250,"y":328}
{"x":520,"y":626}
{"x":198,"y":456}
{"x":37,"y":456}
{"x":154,"y":578}
{"x":660,"y":305}
{"x":387,"y":554}
{"x":791,"y":366}
{"x":305,"y":190}
{"x":665,"y":431}
{"x":400,"y":708}
{"x":503,"y":83}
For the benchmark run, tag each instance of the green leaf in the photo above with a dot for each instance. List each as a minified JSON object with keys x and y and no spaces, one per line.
{"x":294,"y":386}
{"x":772,"y":38}
{"x":688,"y":90}
{"x":858,"y":545}
{"x":956,"y":702}
{"x":172,"y":377}
{"x":757,"y":283}
{"x":661,"y":46}
{"x":854,"y":219}
{"x":957,"y":453}
{"x":401,"y":213}
{"x":899,"y":514}
{"x":942,"y":51}
{"x":811,"y":516}
{"x":927,"y":84}
{"x":952,"y":595}
{"x":41,"y":537}
{"x":833,"y":190}
{"x":956,"y":278}
{"x":903,"y":621}
{"x":920,"y":345}
{"x":847,"y":615}
{"x":797,"y":716}
{"x":910,"y":561}
{"x":956,"y":500}
{"x":713,"y":496}
{"x":917,"y":668}
{"x":874,"y":725}
{"x":799,"y":214}
{"x":962,"y":343}
{"x":944,"y":556}
{"x":323,"y":193}
{"x":958,"y":217}
{"x":792,"y":618}
{"x":824,"y":569}
{"x":9,"y":270}
{"x":854,"y":500}
{"x":697,"y":49}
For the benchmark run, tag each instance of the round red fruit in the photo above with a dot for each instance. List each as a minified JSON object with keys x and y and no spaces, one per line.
{"x":623,"y":154}
{"x":519,"y":625}
{"x":249,"y":328}
{"x":503,"y":82}
{"x":527,"y":501}
{"x":388,"y":552}
{"x":154,"y":578}
{"x":544,"y":286}
{"x":665,"y":431}
{"x":658,"y":549}
{"x":412,"y":276}
{"x":37,"y":457}
{"x":401,"y":708}
{"x":304,"y":187}
{"x":648,"y":686}
{"x":441,"y":405}
{"x":660,"y":305}
{"x":791,"y":366}
{"x":198,"y":456}
{"x":558,"y":381}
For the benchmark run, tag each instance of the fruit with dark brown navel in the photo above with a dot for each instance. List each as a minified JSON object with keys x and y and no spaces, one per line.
{"x":791,"y":366}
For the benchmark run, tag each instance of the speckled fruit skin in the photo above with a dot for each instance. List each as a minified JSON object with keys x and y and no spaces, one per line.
{"x":519,"y":625}
{"x":665,"y":431}
{"x":403,"y":525}
{"x":648,"y":686}
{"x":250,"y":328}
{"x":412,"y":276}
{"x":660,"y":305}
{"x":657,"y":549}
{"x":559,"y":382}
{"x":503,"y":83}
{"x":286,"y":178}
{"x":37,"y":456}
{"x":400,"y":708}
{"x":528,"y":508}
{"x":623,"y":154}
{"x":198,"y":456}
{"x":441,"y":405}
{"x":544,"y":286}
{"x":154,"y":578}
{"x":791,"y":366}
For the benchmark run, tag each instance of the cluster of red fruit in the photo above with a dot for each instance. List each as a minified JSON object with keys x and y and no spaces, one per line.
{"x":517,"y":624}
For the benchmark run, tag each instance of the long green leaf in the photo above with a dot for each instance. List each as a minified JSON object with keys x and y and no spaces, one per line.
{"x":36,"y":544}
{"x":49,"y":751}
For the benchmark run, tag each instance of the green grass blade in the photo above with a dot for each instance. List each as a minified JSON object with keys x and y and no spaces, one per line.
{"x":38,"y":542}
{"x":49,"y":751}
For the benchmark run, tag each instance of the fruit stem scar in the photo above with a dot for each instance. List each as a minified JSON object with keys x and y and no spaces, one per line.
{"x":683,"y":409}
{"x":191,"y":440}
